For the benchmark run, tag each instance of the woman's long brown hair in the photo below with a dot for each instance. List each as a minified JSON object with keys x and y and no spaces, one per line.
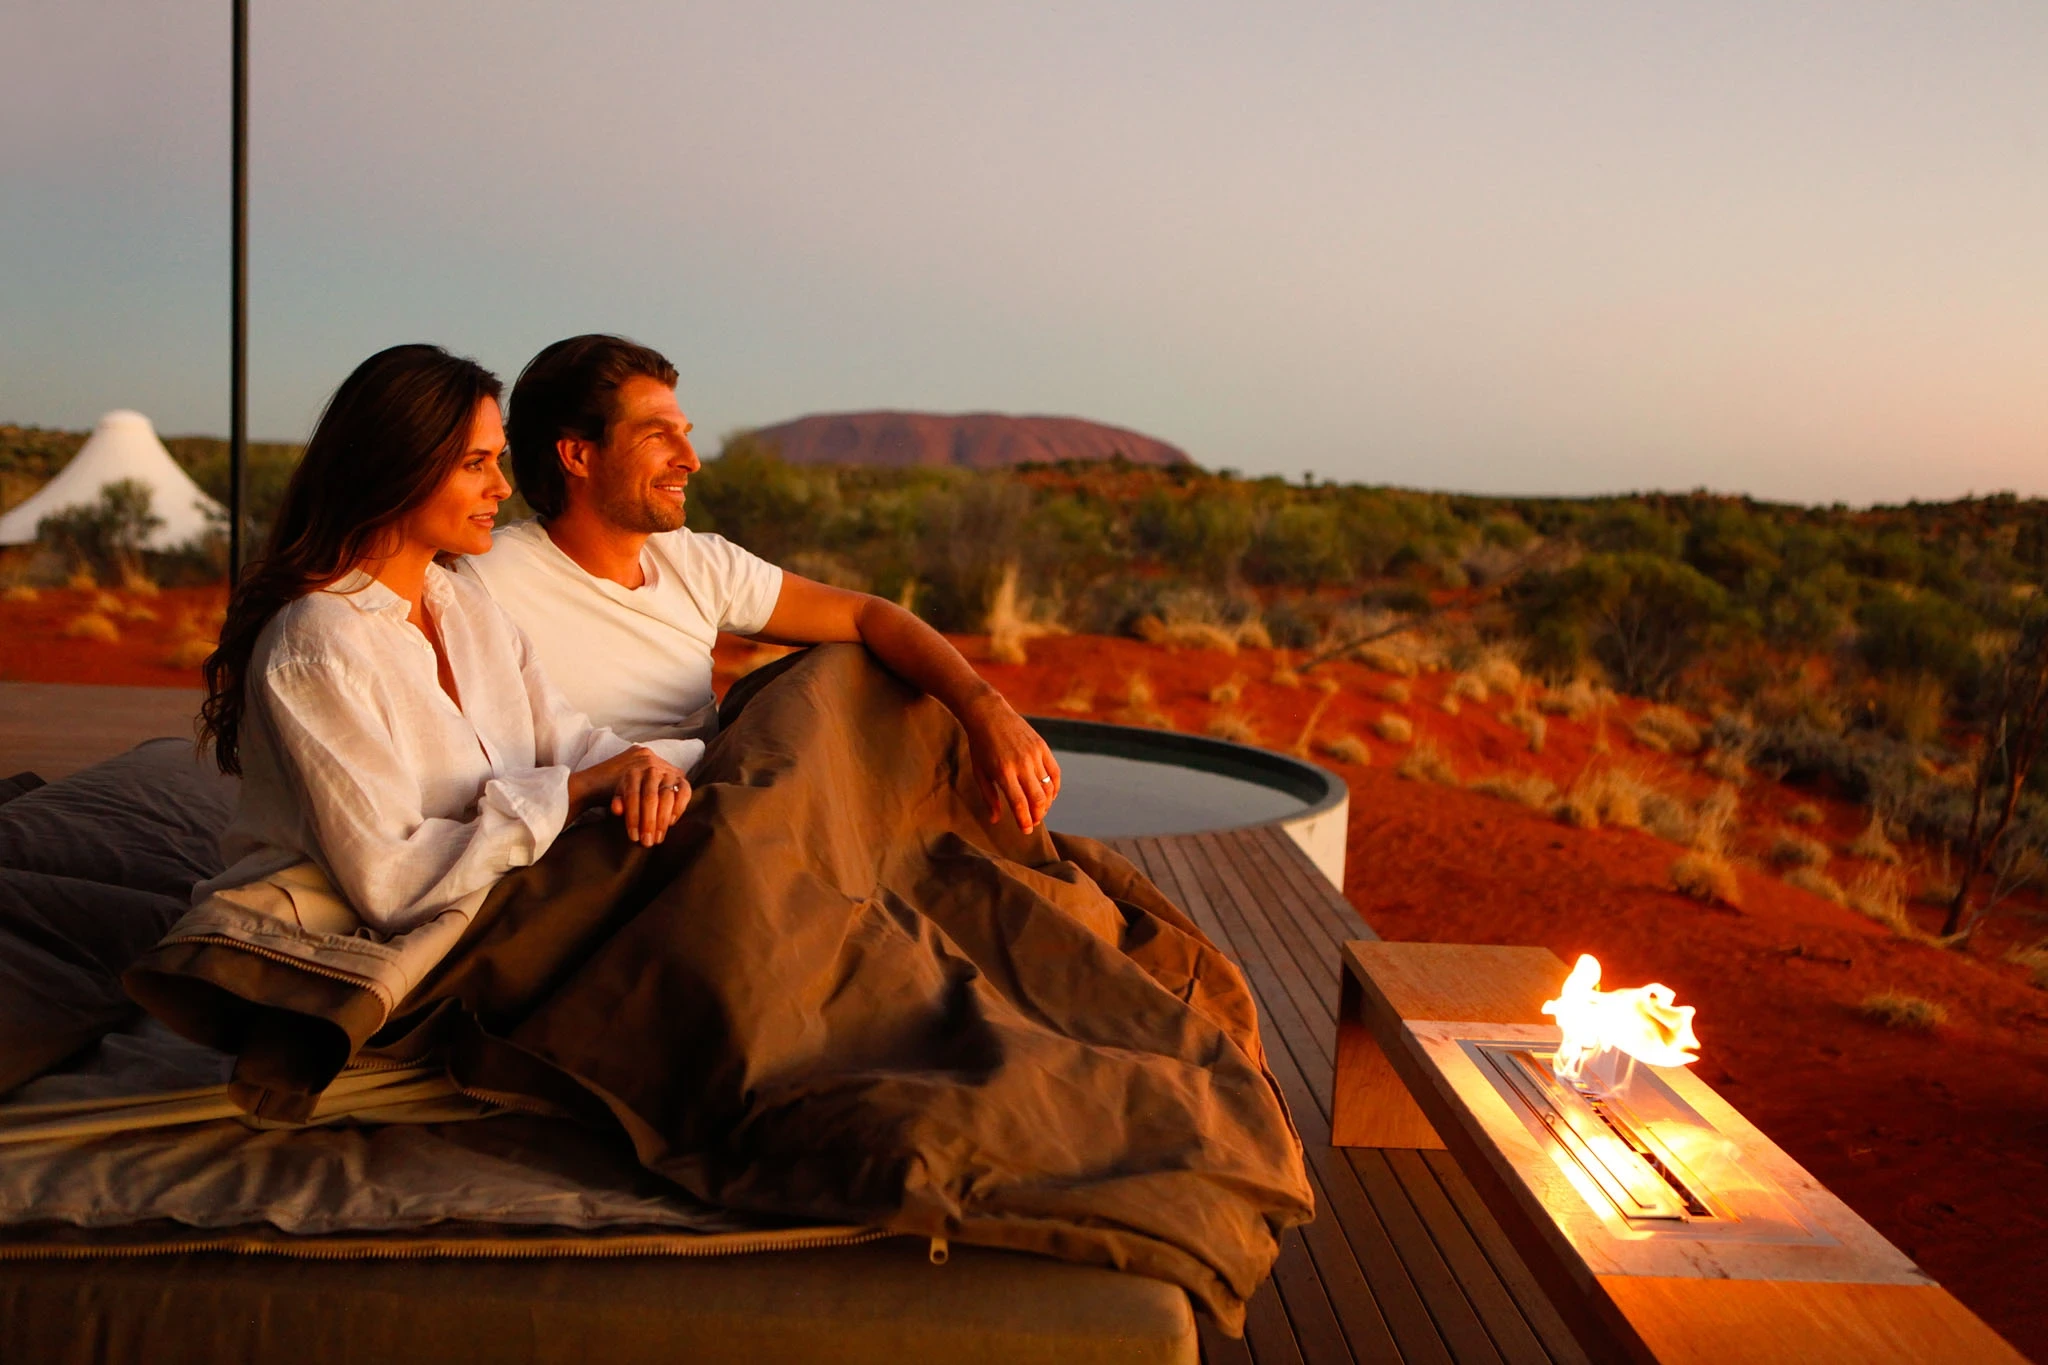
{"x":392,"y":432}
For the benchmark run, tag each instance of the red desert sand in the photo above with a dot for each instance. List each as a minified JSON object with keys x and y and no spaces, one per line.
{"x":1938,"y":1136}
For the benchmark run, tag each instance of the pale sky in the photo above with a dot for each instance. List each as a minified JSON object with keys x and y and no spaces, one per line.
{"x":1796,"y":250}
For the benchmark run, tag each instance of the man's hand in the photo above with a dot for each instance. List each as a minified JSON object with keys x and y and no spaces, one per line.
{"x":646,"y":791}
{"x":1012,"y":763}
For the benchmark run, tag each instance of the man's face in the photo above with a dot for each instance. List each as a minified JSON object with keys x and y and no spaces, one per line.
{"x":637,"y":475}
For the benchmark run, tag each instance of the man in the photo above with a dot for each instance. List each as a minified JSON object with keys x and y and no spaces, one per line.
{"x":623,"y":604}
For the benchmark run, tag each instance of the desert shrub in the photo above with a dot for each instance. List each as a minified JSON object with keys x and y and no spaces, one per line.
{"x":1644,"y":618}
{"x":1138,"y":689}
{"x":1396,"y":693}
{"x":1348,"y":749}
{"x":1299,"y":543}
{"x":971,"y":537}
{"x":1706,"y":877}
{"x":1227,"y":692}
{"x":1393,"y":729}
{"x":1873,"y":844}
{"x":1791,"y":849}
{"x":1283,"y":674}
{"x":1288,"y":627}
{"x":1816,"y":882}
{"x":1078,"y":699}
{"x":1424,"y":764}
{"x":1727,"y":764}
{"x":1714,"y":816}
{"x":104,"y":536}
{"x":1912,"y":708}
{"x":1925,"y":635}
{"x":1895,"y":1009}
{"x":1524,"y":789}
{"x":1449,"y":704}
{"x":1203,"y":537}
{"x":1667,"y":730}
{"x":189,"y":652}
{"x":1500,"y":674}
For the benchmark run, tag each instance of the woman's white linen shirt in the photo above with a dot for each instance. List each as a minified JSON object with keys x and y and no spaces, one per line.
{"x":355,"y":757}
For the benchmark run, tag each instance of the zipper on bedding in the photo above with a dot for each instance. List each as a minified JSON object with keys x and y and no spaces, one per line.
{"x":361,"y":983}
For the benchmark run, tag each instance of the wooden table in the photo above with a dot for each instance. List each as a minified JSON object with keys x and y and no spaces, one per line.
{"x":1408,"y":1011}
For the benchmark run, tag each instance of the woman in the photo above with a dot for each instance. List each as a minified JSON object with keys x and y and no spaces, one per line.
{"x":389,"y":721}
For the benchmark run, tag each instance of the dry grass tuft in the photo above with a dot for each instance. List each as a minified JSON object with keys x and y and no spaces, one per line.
{"x":1228,"y":692}
{"x":1424,"y":764}
{"x":1467,"y":686}
{"x":135,"y":611}
{"x":1880,"y":895}
{"x":1011,"y":624}
{"x":22,"y":592}
{"x":1394,"y":693}
{"x":1714,"y":816}
{"x":189,"y":652}
{"x":1707,"y":877}
{"x":1327,"y":685}
{"x":1727,"y":765}
{"x":81,"y":580}
{"x":106,"y":604}
{"x":1873,"y":844}
{"x":1252,"y":634}
{"x":1393,"y":729}
{"x":1284,"y":675}
{"x":1668,"y":817}
{"x":1818,"y":883}
{"x":1150,"y":719}
{"x":138,"y":583}
{"x":1138,"y":690}
{"x":92,"y":625}
{"x":1233,"y":725}
{"x":2035,"y":960}
{"x":1532,"y":725}
{"x":1895,"y":1009}
{"x":1609,"y":796}
{"x":1498,"y":673}
{"x":1078,"y":699}
{"x":1450,"y":703}
{"x":1576,"y":700}
{"x":1805,"y":813}
{"x":1524,"y":789}
{"x":1348,"y":749}
{"x":1792,"y":849}
{"x":1667,"y":730}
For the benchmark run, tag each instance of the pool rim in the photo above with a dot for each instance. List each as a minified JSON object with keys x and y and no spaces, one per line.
{"x":1320,"y":790}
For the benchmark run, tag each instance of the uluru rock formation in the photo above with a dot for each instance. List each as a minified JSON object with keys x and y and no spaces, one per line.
{"x":974,"y":440}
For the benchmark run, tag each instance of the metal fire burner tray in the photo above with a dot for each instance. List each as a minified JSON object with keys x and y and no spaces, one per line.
{"x":1668,"y":1180}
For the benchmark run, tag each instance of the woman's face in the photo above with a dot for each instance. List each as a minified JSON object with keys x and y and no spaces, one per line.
{"x":456,"y":518}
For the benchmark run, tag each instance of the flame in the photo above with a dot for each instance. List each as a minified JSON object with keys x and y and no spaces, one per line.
{"x":1644,"y":1023}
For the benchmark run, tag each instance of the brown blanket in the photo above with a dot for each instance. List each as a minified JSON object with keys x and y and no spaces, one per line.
{"x":837,"y":993}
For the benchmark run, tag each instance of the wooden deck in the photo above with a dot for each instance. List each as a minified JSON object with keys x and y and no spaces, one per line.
{"x":1403,"y":1262}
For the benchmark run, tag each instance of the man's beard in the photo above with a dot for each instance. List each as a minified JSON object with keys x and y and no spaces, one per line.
{"x":636,"y":507}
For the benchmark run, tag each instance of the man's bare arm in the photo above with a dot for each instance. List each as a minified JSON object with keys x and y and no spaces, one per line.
{"x":1014,"y":766}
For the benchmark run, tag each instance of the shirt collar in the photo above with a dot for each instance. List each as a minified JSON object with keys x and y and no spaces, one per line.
{"x":365,"y":593}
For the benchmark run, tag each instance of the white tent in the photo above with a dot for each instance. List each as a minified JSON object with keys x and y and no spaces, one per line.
{"x":123,"y":446}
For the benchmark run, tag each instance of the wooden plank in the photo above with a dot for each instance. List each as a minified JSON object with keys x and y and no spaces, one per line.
{"x":1512,"y":1336}
{"x":1537,"y":1309}
{"x":1340,"y":919}
{"x":1267,"y":1331}
{"x":1317,"y":1015}
{"x":1393,"y":1313}
{"x":1779,"y":1322}
{"x":1440,"y":1289}
{"x":1370,"y":1104}
{"x":1466,"y":982}
{"x":1308,"y":1307}
{"x":1218,"y":1349}
{"x":1275,"y":903}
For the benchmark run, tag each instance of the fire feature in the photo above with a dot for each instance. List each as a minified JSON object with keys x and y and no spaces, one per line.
{"x":1606,"y":1032}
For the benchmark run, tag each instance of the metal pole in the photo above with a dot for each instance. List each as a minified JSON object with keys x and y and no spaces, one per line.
{"x":238,"y":343}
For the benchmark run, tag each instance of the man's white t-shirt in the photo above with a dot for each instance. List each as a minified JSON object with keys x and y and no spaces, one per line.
{"x":635,"y":660}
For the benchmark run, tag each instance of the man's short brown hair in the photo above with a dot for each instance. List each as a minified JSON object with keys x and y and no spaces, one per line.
{"x":570,"y":389}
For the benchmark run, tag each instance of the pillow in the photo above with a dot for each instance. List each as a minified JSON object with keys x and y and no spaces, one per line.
{"x":149,"y":820}
{"x":64,"y":943}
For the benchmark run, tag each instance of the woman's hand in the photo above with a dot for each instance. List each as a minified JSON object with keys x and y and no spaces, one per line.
{"x":1012,"y":763}
{"x":645,"y":790}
